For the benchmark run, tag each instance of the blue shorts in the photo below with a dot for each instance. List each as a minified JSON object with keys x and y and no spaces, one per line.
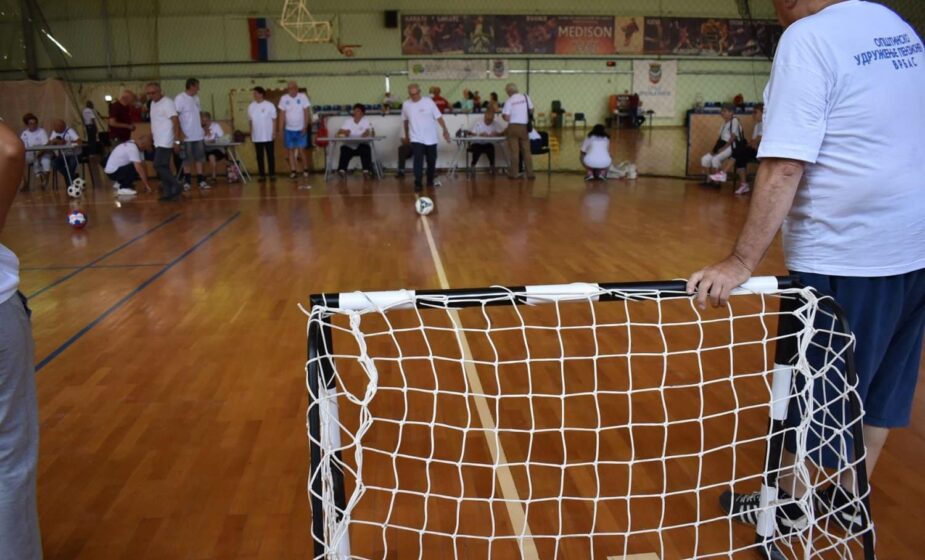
{"x":887,"y":316}
{"x":294,"y":139}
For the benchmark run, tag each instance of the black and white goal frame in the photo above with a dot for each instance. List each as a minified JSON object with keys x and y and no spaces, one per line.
{"x":320,"y":370}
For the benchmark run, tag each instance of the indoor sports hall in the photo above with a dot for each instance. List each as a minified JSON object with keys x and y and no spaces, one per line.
{"x":409,"y":280}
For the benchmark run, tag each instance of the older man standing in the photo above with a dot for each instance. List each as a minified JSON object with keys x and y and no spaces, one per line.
{"x":848,"y":185}
{"x":165,"y":129}
{"x":516,"y":112}
{"x":193,"y":148}
{"x":19,"y":418}
{"x":120,"y":117}
{"x":295,"y":127}
{"x":421,"y":117}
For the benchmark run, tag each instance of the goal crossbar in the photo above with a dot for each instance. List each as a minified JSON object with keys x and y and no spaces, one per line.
{"x":326,"y":486}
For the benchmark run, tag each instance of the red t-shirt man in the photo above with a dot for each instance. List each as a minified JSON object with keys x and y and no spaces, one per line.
{"x":441,"y":102}
{"x":120,"y":114}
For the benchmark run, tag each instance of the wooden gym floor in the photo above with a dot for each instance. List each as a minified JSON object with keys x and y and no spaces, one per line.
{"x":170,"y":349}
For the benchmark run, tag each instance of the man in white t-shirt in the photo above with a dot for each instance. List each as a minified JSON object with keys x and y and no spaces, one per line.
{"x":262,"y":116}
{"x":488,"y":127}
{"x":420,"y":117}
{"x":516,"y":112}
{"x":356,"y":127}
{"x":65,"y":159}
{"x":165,"y":132}
{"x":848,"y":184}
{"x":19,"y":419}
{"x":193,"y":148}
{"x":34,"y":135}
{"x":90,"y":118}
{"x":296,"y":127}
{"x":126,"y":165}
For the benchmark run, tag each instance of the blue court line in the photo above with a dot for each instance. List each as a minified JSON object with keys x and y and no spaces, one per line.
{"x":78,"y":270}
{"x":131,"y":294}
{"x":26,"y":268}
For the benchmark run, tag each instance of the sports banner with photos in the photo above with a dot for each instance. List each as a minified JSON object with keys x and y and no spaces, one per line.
{"x":711,"y":37}
{"x":656,"y":83}
{"x":577,"y":35}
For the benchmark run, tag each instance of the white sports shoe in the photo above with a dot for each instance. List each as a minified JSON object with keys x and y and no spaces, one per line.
{"x":718,"y":177}
{"x":743,"y":189}
{"x":126,"y":192}
{"x":116,"y":186}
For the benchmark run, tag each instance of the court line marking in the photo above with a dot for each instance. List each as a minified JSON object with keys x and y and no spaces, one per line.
{"x":505,"y":479}
{"x":72,"y":267}
{"x":114,"y":307}
{"x":646,"y":556}
{"x":74,"y":273}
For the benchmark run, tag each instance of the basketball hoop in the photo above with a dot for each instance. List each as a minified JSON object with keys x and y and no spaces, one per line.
{"x":304,"y":28}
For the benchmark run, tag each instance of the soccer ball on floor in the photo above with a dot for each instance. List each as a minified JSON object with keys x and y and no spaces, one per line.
{"x":77,"y":219}
{"x":76,"y":189}
{"x":424,"y":205}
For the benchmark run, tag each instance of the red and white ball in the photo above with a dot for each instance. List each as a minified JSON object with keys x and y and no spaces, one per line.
{"x":77,"y":219}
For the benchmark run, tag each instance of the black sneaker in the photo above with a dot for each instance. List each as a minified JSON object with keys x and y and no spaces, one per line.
{"x":400,"y":174}
{"x":745,"y":508}
{"x":844,"y":507}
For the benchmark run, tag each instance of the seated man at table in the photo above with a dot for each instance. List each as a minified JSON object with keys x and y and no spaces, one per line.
{"x":213,"y":133}
{"x":34,"y":135}
{"x":126,"y":165}
{"x":65,"y":161}
{"x":489,"y":127}
{"x":356,"y":127}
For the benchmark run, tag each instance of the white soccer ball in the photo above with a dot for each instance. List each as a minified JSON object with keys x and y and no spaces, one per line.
{"x":81,"y":184}
{"x":74,"y":190}
{"x":424,"y":205}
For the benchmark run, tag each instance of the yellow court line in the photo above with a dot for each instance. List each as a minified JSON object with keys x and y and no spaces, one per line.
{"x":505,"y":479}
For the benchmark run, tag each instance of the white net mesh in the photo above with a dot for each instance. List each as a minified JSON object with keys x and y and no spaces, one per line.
{"x":576,"y":429}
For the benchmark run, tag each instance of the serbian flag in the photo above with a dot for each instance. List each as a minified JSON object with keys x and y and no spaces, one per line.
{"x":260,"y":38}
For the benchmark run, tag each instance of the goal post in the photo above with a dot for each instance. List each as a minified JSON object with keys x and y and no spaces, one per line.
{"x":593,"y":419}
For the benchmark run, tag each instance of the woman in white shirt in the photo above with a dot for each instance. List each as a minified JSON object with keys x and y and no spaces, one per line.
{"x":595,"y":153}
{"x":356,"y":127}
{"x":729,"y":133}
{"x":32,"y":135}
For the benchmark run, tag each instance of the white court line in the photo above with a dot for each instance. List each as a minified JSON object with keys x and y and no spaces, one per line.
{"x":648,"y":556}
{"x":505,"y":479}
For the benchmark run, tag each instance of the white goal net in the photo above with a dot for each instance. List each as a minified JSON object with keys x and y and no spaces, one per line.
{"x":579,"y":421}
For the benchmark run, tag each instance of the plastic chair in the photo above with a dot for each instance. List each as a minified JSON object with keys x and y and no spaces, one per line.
{"x":580,"y":117}
{"x":540,"y":147}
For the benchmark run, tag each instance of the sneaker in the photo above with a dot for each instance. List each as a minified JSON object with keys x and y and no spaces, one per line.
{"x":341,"y":172}
{"x":435,"y":184}
{"x":293,"y":175}
{"x":848,"y":511}
{"x":718,"y":177}
{"x":745,"y":508}
{"x":400,"y":174}
{"x":116,"y":186}
{"x":126,"y":192}
{"x":589,"y":177}
{"x":186,"y":187}
{"x":743,"y":188}
{"x":418,"y":187}
{"x":305,"y":173}
{"x":203,"y":185}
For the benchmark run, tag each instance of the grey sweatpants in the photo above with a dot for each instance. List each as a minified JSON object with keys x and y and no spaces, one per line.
{"x":19,"y":435}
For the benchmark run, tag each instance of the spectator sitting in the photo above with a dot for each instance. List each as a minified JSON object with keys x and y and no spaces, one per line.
{"x":213,"y":133}
{"x":388,"y":102}
{"x":748,"y":151}
{"x":468,"y":103}
{"x":477,"y":102}
{"x":126,"y":165}
{"x":33,"y":135}
{"x":65,"y":161}
{"x":442,"y":104}
{"x":493,"y":105}
{"x":488,"y":127}
{"x":595,"y":153}
{"x":729,"y":133}
{"x":356,"y":127}
{"x":120,"y":117}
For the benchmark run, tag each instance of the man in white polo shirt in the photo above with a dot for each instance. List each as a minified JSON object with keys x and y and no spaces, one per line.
{"x":19,"y":419}
{"x":165,"y":130}
{"x":193,"y":148}
{"x":421,"y":117}
{"x":126,"y":165}
{"x":296,"y":126}
{"x":842,"y":169}
{"x":516,"y":112}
